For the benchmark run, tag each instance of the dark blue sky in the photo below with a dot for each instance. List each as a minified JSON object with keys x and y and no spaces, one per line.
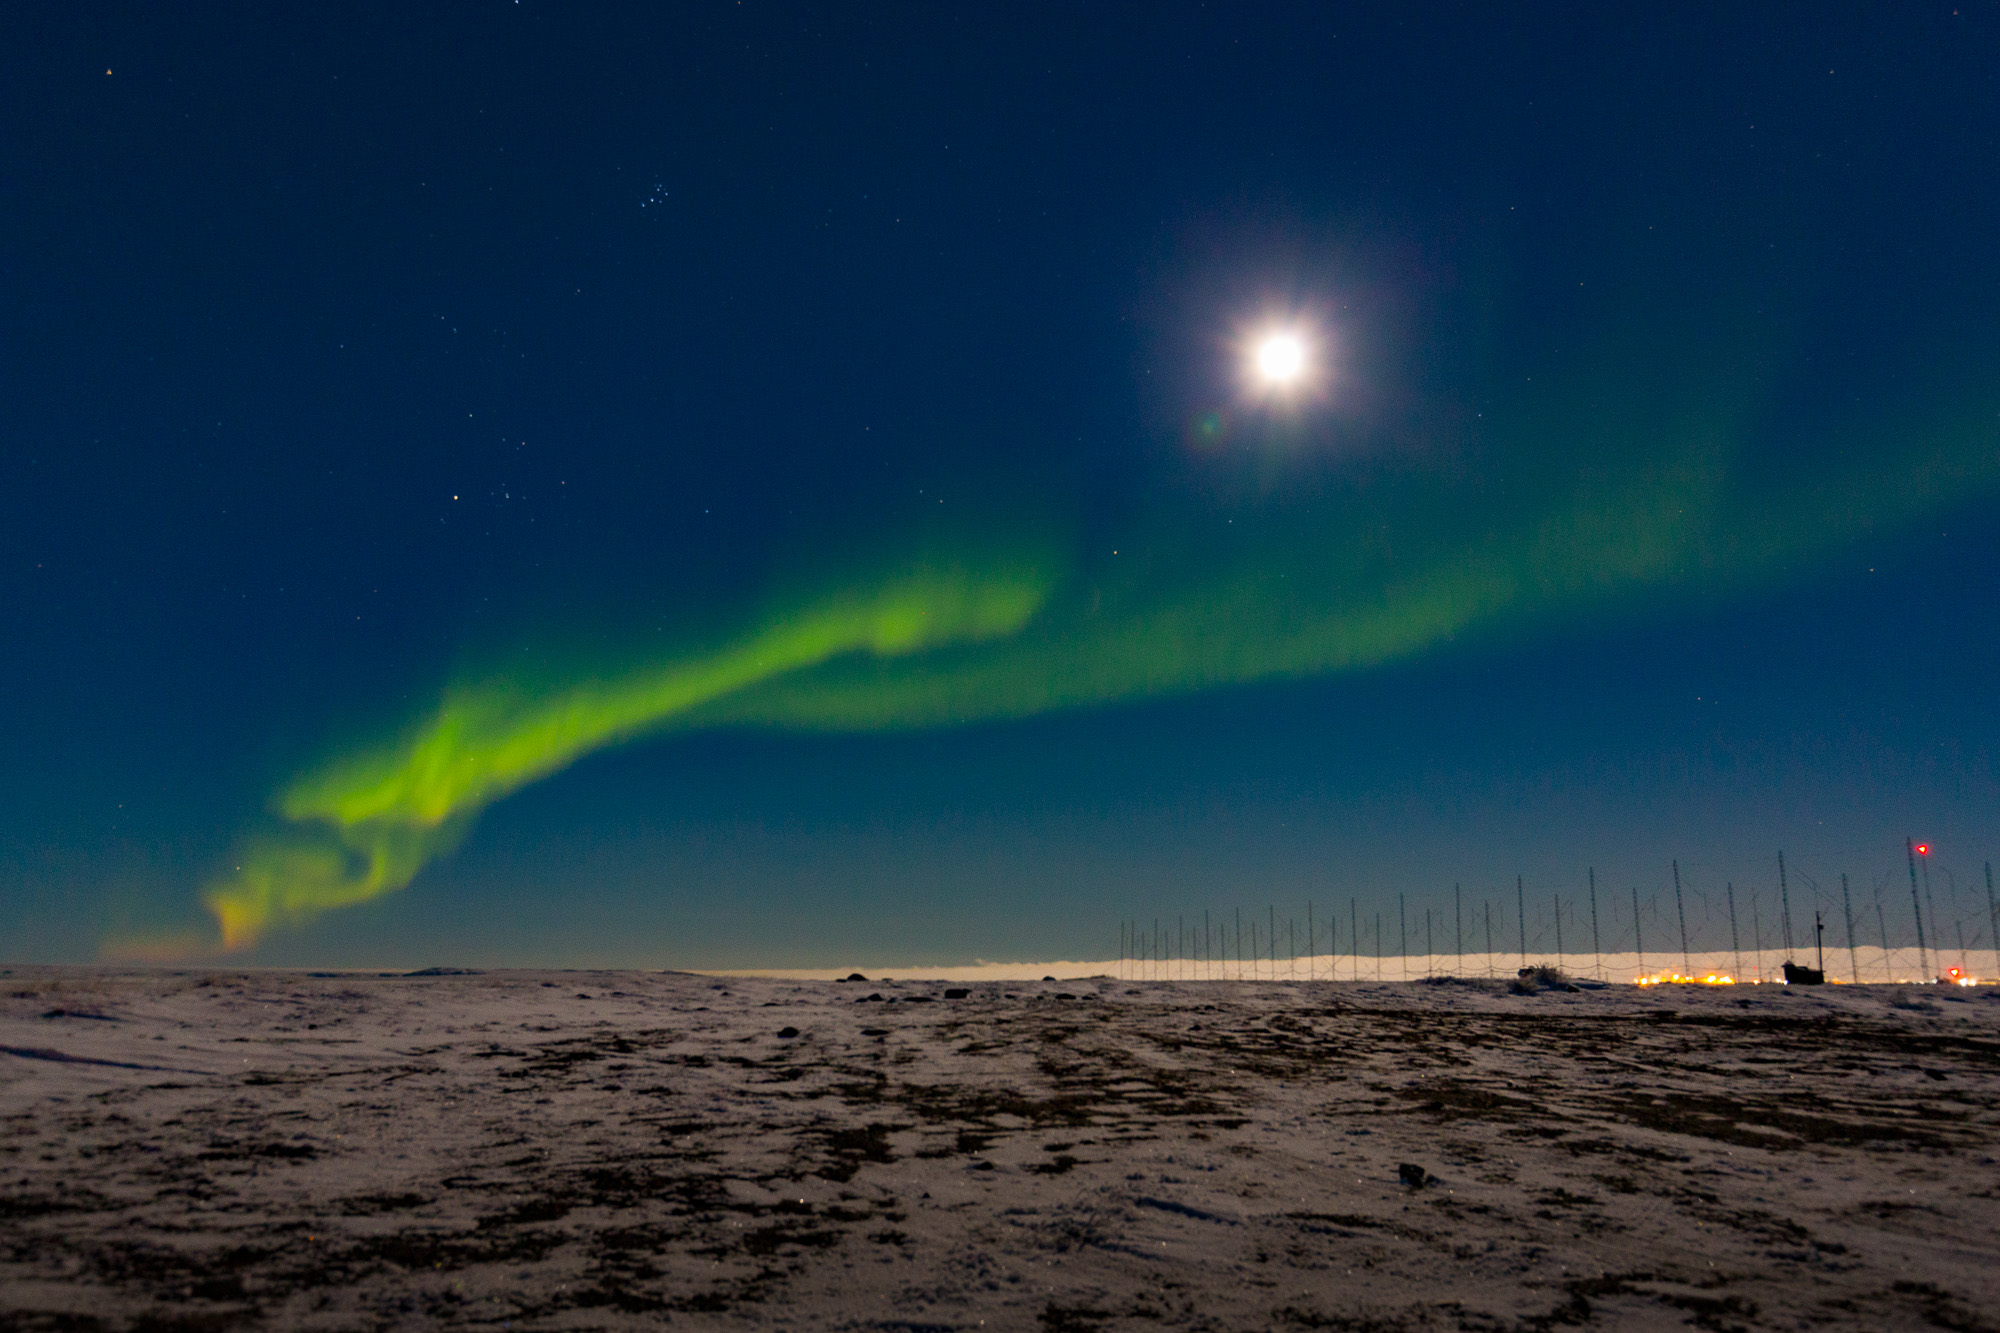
{"x":356,"y":360}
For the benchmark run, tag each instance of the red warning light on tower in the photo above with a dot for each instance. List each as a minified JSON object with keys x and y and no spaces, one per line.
{"x":1923,"y":849}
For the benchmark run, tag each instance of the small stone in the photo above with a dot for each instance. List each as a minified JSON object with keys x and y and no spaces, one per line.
{"x":956,"y":994}
{"x":855,"y":976}
{"x":788,"y":1032}
{"x":1413,"y":1175}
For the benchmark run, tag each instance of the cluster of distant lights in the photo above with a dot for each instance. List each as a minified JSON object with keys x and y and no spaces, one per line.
{"x":1952,"y":977}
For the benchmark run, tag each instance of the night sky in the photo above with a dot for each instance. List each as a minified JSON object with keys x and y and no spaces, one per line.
{"x":722,"y":485}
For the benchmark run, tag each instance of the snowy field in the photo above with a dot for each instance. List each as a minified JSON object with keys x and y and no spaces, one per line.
{"x":566,"y":1150}
{"x":1864,"y":964}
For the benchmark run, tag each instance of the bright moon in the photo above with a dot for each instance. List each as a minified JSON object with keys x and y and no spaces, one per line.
{"x":1281,"y":358}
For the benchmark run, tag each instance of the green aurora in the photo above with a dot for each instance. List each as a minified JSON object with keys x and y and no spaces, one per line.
{"x":1363,"y":564}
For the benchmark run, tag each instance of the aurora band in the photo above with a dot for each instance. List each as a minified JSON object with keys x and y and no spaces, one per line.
{"x":366,"y":825}
{"x":999,"y":626}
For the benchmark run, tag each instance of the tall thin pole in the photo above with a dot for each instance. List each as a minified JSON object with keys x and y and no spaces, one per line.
{"x":1292,"y":945}
{"x":1735,"y":941}
{"x":1638,"y":940}
{"x":1757,"y":931}
{"x":1489,"y":937}
{"x":1785,"y":905}
{"x":1403,"y":920}
{"x":1596,"y":949}
{"x":1958,"y":923}
{"x":1917,"y":906}
{"x":1274,"y":940}
{"x":1427,"y":941}
{"x":1521,"y":914}
{"x":1847,"y":909}
{"x":1378,"y":946}
{"x":1239,"y":944}
{"x":1458,"y":913}
{"x":1930,"y":906}
{"x":1354,"y":933}
{"x":1882,"y":924}
{"x":1207,"y":945}
{"x":1687,"y":963}
{"x":1559,"y":932}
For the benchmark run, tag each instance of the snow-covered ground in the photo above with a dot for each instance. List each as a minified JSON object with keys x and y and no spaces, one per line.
{"x":1865,"y":965}
{"x":542,"y":1150}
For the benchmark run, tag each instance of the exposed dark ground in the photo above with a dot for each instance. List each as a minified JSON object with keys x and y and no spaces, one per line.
{"x":193,"y":1150}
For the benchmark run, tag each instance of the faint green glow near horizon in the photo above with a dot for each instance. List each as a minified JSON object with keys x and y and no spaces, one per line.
{"x":366,"y":824}
{"x":996,"y":630}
